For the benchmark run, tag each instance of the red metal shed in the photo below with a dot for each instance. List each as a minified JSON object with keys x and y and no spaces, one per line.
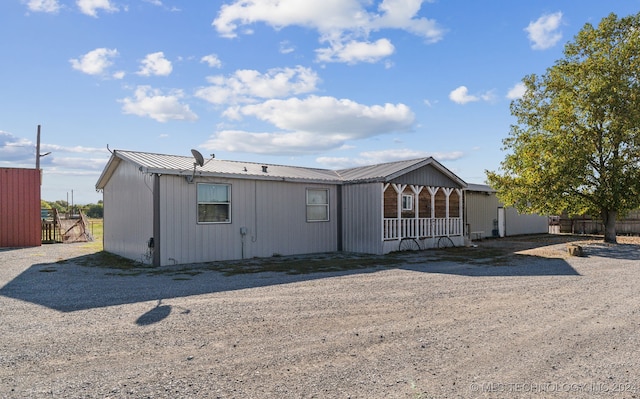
{"x":20,"y":223}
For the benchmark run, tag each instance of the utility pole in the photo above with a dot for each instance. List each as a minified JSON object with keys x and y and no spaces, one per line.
{"x":38,"y":155}
{"x":38,"y":150}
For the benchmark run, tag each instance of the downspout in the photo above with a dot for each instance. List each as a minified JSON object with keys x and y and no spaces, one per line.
{"x":156,"y":220}
{"x":339,"y":216}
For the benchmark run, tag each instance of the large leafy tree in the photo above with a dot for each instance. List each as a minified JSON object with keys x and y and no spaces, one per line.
{"x":576,"y":145}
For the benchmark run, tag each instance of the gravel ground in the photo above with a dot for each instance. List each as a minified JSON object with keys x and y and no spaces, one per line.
{"x":440,"y":325}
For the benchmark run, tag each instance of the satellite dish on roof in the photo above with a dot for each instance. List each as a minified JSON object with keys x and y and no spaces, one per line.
{"x":198,"y":157}
{"x":199,"y":161}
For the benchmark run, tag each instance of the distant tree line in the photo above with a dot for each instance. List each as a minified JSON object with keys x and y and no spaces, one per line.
{"x":91,"y":210}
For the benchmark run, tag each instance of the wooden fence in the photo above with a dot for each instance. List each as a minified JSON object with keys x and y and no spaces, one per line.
{"x":630,"y":225}
{"x":57,"y":229}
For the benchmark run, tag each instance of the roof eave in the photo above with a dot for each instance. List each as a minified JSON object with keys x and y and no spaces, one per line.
{"x":108,"y":170}
{"x":242,"y":176}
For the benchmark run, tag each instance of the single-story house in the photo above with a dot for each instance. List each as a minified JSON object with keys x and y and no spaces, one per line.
{"x":167,"y":209}
{"x":486,"y":216}
{"x":20,"y":224}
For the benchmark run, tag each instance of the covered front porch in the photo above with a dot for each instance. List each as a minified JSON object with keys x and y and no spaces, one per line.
{"x":421,"y":212}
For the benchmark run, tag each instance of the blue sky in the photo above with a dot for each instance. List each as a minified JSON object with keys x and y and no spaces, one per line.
{"x":318,"y":83}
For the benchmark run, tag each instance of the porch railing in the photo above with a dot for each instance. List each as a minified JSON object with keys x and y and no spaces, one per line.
{"x":396,"y":229}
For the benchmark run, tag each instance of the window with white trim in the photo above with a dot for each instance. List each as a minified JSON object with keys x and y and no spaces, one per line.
{"x":317,"y":205}
{"x":214,"y":203}
{"x":407,"y":202}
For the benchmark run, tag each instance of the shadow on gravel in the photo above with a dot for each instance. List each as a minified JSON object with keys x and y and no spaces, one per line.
{"x":614,"y":251}
{"x":71,"y":286}
{"x":157,"y":314}
{"x":85,"y":282}
{"x":508,"y":265}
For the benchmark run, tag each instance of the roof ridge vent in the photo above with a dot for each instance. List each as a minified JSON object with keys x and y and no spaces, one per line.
{"x":264,"y":168}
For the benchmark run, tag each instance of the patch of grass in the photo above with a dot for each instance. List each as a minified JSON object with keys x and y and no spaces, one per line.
{"x":472,"y":256}
{"x":278,"y":264}
{"x":96,"y":228}
{"x":109,"y":261}
{"x":297,"y":265}
{"x":302,"y":265}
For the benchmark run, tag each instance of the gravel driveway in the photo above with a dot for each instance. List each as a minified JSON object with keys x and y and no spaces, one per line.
{"x":537,"y":324}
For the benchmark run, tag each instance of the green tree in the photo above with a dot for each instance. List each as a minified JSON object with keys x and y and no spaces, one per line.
{"x":94,"y":210}
{"x":576,"y":145}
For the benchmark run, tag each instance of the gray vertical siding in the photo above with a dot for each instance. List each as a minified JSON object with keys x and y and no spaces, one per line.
{"x":518,"y":223}
{"x":426,"y":176}
{"x":273,"y":213}
{"x":362,"y":218}
{"x":128,"y":213}
{"x":481,"y":209}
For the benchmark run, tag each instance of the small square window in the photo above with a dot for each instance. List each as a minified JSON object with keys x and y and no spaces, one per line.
{"x":407,"y":202}
{"x":317,"y":205}
{"x":214,"y":203}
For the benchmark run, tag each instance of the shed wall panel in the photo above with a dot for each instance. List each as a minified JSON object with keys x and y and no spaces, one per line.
{"x":362,"y":218}
{"x":272,"y":213}
{"x":519,"y":223}
{"x":481,"y":210}
{"x":20,"y":223}
{"x":482,"y":214}
{"x":128,"y":213}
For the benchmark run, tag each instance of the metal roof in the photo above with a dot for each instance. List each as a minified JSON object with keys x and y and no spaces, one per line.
{"x":184,"y":165}
{"x":379,"y":171}
{"x":483,"y":188}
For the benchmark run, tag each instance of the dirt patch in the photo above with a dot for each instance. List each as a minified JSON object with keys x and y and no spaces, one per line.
{"x":554,"y":245}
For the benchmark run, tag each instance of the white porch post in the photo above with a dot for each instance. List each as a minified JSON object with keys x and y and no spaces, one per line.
{"x":399,"y":189}
{"x":432,"y":222}
{"x":447,"y":193}
{"x":416,"y":191}
{"x":433,"y":191}
{"x":460,"y":209}
{"x":384,"y":225}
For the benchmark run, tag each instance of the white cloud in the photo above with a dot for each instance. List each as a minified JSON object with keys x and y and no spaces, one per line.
{"x":312,"y":125}
{"x":283,"y":143}
{"x":48,"y":6}
{"x":212,"y":60}
{"x":16,"y":150}
{"x":329,"y":115}
{"x":154,"y":104}
{"x":323,"y":15}
{"x":155,"y":64}
{"x":543,"y":32}
{"x":95,"y":62}
{"x":356,"y":51}
{"x":247,"y":85}
{"x":78,"y":166}
{"x":90,"y":7}
{"x":344,"y":24}
{"x":286,"y":47}
{"x":76,"y":149}
{"x":489,"y":96}
{"x":461,"y":96}
{"x":517,"y":91}
{"x":401,"y":14}
{"x":391,"y":155}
